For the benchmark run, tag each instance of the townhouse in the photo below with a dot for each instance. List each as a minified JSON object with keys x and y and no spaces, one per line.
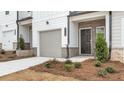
{"x":12,"y":25}
{"x":64,"y":33}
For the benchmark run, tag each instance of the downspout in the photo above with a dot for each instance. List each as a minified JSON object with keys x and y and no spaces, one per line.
{"x":17,"y":30}
{"x":110,"y":33}
{"x":68,"y":40}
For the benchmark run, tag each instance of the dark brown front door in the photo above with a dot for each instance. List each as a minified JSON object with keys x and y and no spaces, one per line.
{"x":86,"y":41}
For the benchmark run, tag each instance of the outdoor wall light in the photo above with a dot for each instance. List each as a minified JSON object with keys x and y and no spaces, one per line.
{"x":47,"y":22}
{"x":6,"y":25}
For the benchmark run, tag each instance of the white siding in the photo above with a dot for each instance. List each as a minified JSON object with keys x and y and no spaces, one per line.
{"x":24,"y":14}
{"x":73,"y":34}
{"x":9,"y":20}
{"x":57,"y":20}
{"x":116,"y":28}
{"x":45,"y":15}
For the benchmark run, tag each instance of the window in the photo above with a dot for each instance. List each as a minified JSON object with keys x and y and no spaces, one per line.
{"x":6,"y":12}
{"x":100,"y":29}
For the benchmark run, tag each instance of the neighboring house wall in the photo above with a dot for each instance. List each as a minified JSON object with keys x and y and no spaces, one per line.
{"x":8,"y":29}
{"x":0,"y":36}
{"x":57,"y":20}
{"x":118,"y":36}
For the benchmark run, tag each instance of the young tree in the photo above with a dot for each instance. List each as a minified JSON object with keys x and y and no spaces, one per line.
{"x":101,"y":48}
{"x":21,"y":43}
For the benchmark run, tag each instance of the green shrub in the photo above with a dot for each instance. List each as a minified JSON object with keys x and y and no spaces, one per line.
{"x":102,"y":72}
{"x":47,"y":65}
{"x":2,"y":51}
{"x":69,"y":67}
{"x":97,"y":63}
{"x":14,"y":52}
{"x":21,"y":43}
{"x":101,"y":48}
{"x":54,"y":61}
{"x":77,"y":65}
{"x":68,"y":62}
{"x":110,"y":70}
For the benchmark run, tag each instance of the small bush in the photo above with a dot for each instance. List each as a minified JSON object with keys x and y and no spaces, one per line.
{"x":77,"y":65}
{"x":21,"y":43}
{"x":97,"y":63}
{"x":110,"y":70}
{"x":102,"y":73}
{"x":47,"y":65}
{"x":69,"y":67}
{"x":101,"y":48}
{"x":68,"y":62}
{"x":14,"y":52}
{"x":2,"y":51}
{"x":55,"y":61}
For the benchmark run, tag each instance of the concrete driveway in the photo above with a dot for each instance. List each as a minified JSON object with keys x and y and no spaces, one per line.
{"x":21,"y":64}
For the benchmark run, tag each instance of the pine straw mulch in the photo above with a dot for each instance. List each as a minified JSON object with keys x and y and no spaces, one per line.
{"x":30,"y":75}
{"x":87,"y":72}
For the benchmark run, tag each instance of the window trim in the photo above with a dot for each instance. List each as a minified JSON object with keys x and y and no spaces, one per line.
{"x":104,"y":30}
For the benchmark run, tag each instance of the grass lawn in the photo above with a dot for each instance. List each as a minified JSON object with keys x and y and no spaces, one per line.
{"x":56,"y":71}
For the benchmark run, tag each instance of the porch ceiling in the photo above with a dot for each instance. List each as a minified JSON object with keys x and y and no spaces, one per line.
{"x":89,"y":17}
{"x":25,"y":22}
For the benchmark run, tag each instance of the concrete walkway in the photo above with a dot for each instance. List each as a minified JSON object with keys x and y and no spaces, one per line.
{"x":21,"y":64}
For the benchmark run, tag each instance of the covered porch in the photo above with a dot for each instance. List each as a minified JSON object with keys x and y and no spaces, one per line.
{"x":83,"y":32}
{"x":25,"y":30}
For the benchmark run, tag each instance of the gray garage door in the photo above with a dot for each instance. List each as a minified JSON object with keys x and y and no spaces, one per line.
{"x":50,"y":43}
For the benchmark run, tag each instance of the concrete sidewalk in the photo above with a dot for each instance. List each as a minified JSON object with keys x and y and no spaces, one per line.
{"x":21,"y":64}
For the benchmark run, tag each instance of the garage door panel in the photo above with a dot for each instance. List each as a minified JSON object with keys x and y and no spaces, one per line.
{"x":50,"y":43}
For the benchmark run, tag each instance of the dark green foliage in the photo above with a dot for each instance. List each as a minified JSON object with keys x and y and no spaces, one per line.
{"x":101,"y":48}
{"x":14,"y":52}
{"x":47,"y":65}
{"x":102,"y":72}
{"x":69,"y":67}
{"x":110,"y":70}
{"x":77,"y":65}
{"x":2,"y":51}
{"x":97,"y":63}
{"x":21,"y":43}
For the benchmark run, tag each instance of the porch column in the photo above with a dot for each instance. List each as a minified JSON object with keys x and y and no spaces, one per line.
{"x":107,"y":29}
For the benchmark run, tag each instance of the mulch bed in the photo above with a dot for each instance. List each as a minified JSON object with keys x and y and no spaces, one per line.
{"x":87,"y":72}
